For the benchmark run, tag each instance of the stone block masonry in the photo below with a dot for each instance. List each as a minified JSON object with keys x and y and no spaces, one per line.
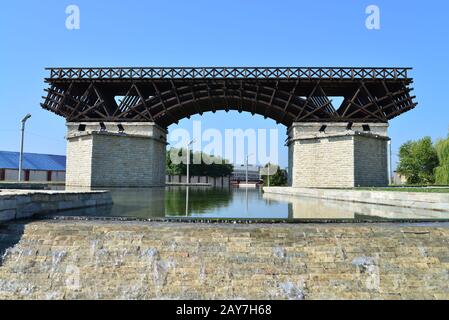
{"x":22,"y":204}
{"x":133,"y":157}
{"x":331,"y":155}
{"x":141,"y":260}
{"x":397,"y":199}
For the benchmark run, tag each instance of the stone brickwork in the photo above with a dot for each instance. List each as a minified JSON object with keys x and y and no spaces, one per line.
{"x":79,"y":161}
{"x":337,"y":157}
{"x":108,"y":158}
{"x":370,"y":161}
{"x":396,"y":199}
{"x":22,"y":204}
{"x":138,"y":260}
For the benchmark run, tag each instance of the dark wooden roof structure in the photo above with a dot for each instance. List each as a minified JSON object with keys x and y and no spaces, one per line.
{"x":287,"y":95}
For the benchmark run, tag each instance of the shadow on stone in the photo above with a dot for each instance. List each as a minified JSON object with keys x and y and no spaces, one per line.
{"x":10,"y":235}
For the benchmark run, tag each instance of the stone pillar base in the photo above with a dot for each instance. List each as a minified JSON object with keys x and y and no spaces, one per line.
{"x":130,"y":156}
{"x":333,"y":155}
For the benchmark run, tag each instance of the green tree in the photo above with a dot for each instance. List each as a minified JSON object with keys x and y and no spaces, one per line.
{"x":442,"y":171}
{"x":171,"y":168}
{"x":417,"y":161}
{"x":278,"y":179}
{"x":218,"y":168}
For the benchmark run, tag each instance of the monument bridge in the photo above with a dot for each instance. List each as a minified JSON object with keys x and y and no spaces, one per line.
{"x":117,"y":118}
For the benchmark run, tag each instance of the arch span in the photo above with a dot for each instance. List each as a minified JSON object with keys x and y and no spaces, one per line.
{"x":337,"y":118}
{"x":333,"y":95}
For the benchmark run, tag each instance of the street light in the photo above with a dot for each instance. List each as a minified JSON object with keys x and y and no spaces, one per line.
{"x":21,"y":145}
{"x":267,"y":171}
{"x":188,"y":160}
{"x":268,"y":176}
{"x":247,"y":156}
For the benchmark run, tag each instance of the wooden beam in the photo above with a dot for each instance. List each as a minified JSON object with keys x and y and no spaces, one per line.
{"x":80,"y":100}
{"x":270,"y":104}
{"x":307,"y":101}
{"x":158,"y":94}
{"x":315,"y":110}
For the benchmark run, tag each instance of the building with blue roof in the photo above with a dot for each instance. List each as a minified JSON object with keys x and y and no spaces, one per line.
{"x":36,"y":167}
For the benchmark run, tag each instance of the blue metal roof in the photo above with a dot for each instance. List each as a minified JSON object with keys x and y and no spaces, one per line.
{"x":32,"y":161}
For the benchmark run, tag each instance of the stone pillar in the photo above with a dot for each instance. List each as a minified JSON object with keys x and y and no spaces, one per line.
{"x":109,"y":157}
{"x":332,"y":155}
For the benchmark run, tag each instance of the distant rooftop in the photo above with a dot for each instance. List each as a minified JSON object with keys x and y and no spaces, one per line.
{"x":32,"y":161}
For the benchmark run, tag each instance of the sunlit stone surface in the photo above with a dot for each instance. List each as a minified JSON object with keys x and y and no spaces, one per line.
{"x":141,"y":260}
{"x":303,"y":208}
{"x":330,"y":155}
{"x":108,"y":158}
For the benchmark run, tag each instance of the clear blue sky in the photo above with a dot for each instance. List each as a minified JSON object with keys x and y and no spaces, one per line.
{"x":219,"y":33}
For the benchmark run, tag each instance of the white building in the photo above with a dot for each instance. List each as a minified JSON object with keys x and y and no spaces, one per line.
{"x":239,"y":173}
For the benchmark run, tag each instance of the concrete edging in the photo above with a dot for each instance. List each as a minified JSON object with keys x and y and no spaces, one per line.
{"x":23,"y":204}
{"x":430,"y":201}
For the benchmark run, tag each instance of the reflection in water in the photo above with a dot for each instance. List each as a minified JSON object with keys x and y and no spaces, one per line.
{"x":314,"y":208}
{"x":244,"y":203}
{"x":187,"y":201}
{"x":195,"y":200}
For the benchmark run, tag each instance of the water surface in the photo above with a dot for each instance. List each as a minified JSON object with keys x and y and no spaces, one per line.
{"x":246,"y":204}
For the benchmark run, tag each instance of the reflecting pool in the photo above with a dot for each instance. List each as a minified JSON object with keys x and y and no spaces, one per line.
{"x":243,"y":203}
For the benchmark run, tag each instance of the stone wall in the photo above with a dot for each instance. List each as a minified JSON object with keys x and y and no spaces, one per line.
{"x":138,"y":260}
{"x":337,"y":157}
{"x":54,"y":185}
{"x":420,"y":200}
{"x":308,"y":208}
{"x":79,"y":161}
{"x":133,"y":158}
{"x":325,"y":162}
{"x":291,"y":149}
{"x":370,"y":161}
{"x":20,"y":204}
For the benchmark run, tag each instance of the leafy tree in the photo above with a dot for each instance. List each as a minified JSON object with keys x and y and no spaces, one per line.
{"x":417,"y":161}
{"x":442,"y":171}
{"x":218,"y":168}
{"x":171,"y":168}
{"x":279,"y":178}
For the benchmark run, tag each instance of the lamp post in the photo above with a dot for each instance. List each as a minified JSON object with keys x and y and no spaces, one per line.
{"x":188,"y":160}
{"x":246,"y":171}
{"x":21,"y":145}
{"x":268,"y":176}
{"x":188,"y":176}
